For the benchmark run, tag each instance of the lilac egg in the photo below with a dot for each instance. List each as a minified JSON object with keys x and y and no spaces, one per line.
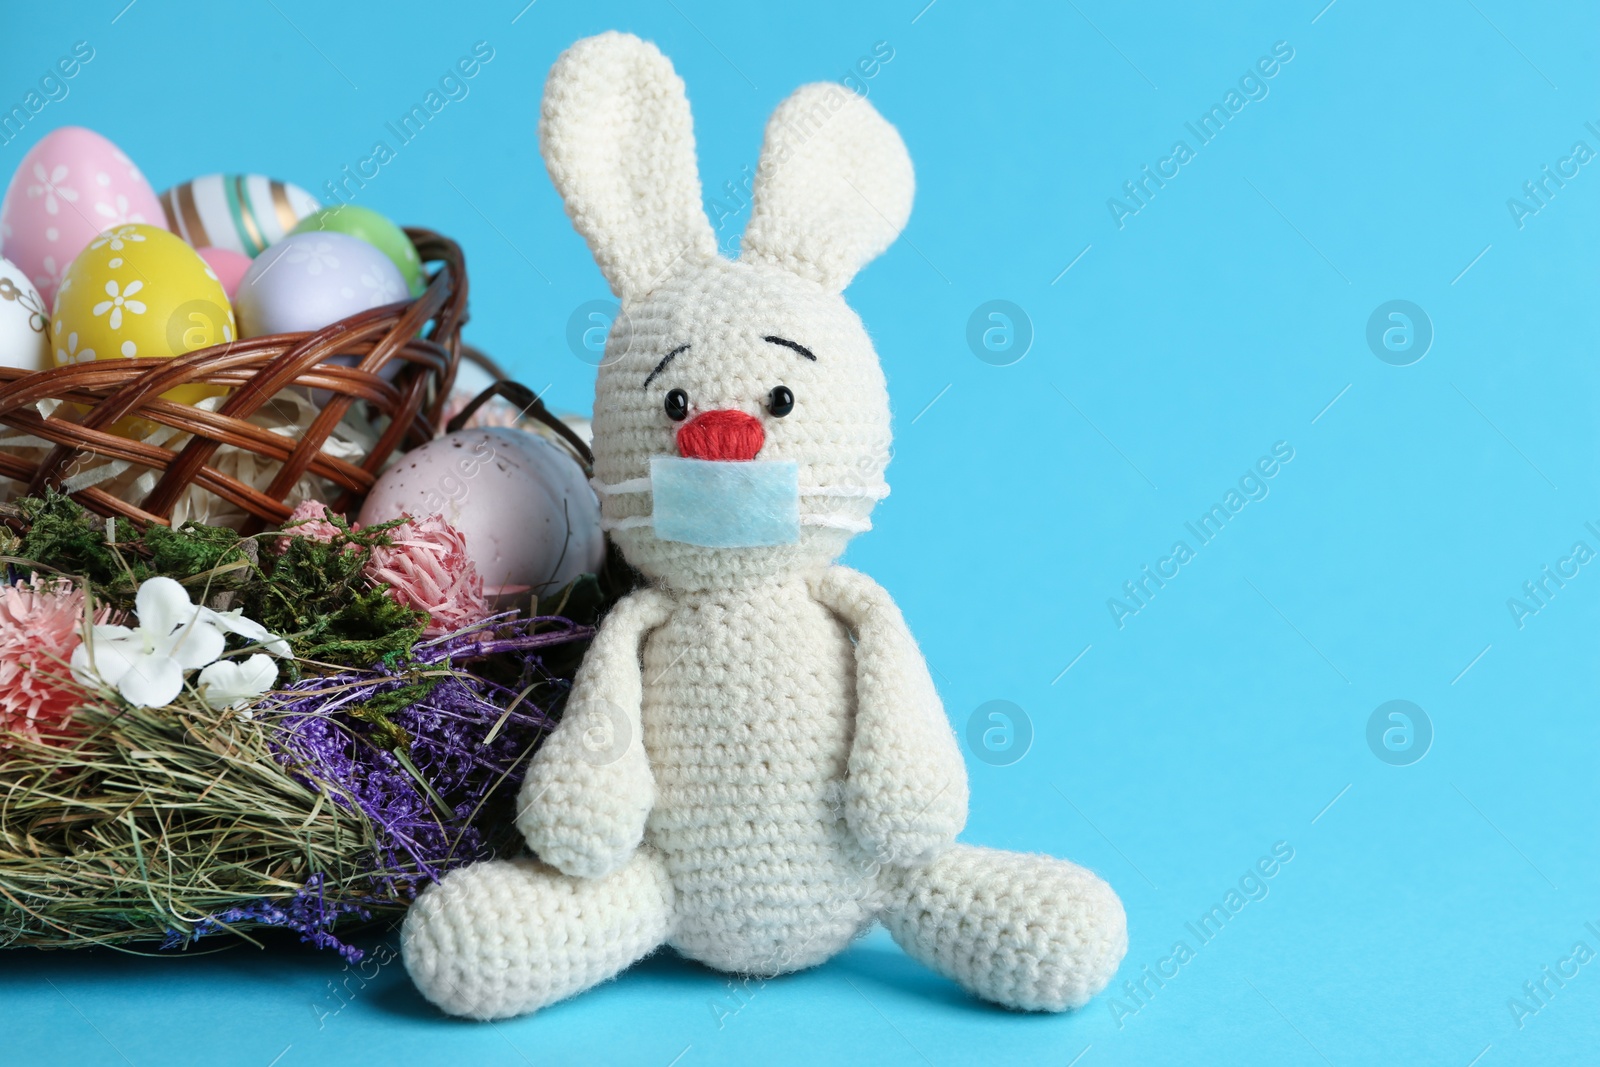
{"x":308,"y":280}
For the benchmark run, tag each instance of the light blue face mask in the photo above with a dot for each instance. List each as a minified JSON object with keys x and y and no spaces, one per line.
{"x":731,"y":504}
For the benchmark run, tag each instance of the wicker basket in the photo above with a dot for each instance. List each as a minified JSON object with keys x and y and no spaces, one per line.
{"x":95,"y":397}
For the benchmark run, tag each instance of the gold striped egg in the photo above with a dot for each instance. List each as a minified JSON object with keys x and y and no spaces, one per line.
{"x":240,"y":212}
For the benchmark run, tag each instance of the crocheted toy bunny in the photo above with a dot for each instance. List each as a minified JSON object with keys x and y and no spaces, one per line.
{"x":754,"y":766}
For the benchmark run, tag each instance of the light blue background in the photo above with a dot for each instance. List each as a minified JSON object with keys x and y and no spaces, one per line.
{"x":1226,"y":316}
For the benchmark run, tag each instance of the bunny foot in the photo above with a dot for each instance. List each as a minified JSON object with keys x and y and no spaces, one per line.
{"x":507,"y":937}
{"x":1025,"y":931}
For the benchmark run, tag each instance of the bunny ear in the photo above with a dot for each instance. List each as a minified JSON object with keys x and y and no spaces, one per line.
{"x":833,"y":189}
{"x":618,"y":140}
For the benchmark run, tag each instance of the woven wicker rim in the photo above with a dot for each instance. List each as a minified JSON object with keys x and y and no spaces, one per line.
{"x":424,"y":334}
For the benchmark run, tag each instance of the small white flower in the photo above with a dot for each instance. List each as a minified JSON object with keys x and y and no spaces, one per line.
{"x":315,"y":257}
{"x":381,"y":289}
{"x":117,"y":211}
{"x":146,"y":664}
{"x":71,"y":354}
{"x":231,"y":683}
{"x":116,"y":238}
{"x":118,"y":302}
{"x":235,"y":622}
{"x":49,"y":186}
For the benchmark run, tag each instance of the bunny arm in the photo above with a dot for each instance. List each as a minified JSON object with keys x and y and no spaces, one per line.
{"x":589,"y":789}
{"x":905,"y":796}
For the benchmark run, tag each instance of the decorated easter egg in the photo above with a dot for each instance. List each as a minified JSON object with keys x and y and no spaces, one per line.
{"x":229,"y":266}
{"x":24,"y":321}
{"x":308,"y":280}
{"x":374,"y":229}
{"x":138,"y":290}
{"x":68,"y":188}
{"x":531,"y":522}
{"x":240,"y":212}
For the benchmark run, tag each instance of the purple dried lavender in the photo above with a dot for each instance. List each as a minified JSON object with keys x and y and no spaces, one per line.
{"x":459,"y":737}
{"x":308,"y":911}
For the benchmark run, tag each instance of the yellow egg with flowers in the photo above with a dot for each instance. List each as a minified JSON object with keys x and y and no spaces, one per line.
{"x":140,"y":291}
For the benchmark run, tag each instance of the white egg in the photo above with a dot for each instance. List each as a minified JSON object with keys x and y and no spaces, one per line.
{"x":24,"y":321}
{"x":530,"y":519}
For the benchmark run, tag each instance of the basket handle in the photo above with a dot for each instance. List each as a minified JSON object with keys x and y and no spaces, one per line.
{"x":532,"y":406}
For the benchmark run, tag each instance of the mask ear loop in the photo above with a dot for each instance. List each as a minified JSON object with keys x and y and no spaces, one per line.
{"x":607,"y":525}
{"x":836,"y":522}
{"x":869,"y":492}
{"x":843,"y":492}
{"x":632,"y":485}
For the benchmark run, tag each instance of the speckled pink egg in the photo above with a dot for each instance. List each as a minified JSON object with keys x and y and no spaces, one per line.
{"x":530,"y":519}
{"x":69,"y":187}
{"x":229,"y":266}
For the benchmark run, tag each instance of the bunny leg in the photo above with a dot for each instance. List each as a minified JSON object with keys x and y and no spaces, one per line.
{"x":507,"y":937}
{"x":1028,"y":932}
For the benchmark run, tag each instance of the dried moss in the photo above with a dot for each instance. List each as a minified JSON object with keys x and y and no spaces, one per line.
{"x":314,"y":594}
{"x":317,"y":592}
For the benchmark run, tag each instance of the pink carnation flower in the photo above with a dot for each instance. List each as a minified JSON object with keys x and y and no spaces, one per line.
{"x":427,"y":568}
{"x":309,"y":519}
{"x":41,"y":623}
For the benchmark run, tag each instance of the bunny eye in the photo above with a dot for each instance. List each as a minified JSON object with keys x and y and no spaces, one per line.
{"x":677,"y":405}
{"x":780,"y":401}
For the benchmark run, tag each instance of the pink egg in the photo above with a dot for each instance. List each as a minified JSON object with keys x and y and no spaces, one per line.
{"x":69,"y":187}
{"x":229,"y":267}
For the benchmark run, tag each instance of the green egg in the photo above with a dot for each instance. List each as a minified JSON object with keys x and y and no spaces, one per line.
{"x":374,"y":229}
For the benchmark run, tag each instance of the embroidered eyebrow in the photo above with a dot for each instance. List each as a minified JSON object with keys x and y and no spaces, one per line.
{"x":786,"y":343}
{"x":668,"y":358}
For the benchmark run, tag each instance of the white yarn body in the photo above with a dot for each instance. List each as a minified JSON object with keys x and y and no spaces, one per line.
{"x":753,"y":764}
{"x":734,"y":827}
{"x":748,"y":734}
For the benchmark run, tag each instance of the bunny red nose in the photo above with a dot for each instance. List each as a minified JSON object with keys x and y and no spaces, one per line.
{"x":722,"y":434}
